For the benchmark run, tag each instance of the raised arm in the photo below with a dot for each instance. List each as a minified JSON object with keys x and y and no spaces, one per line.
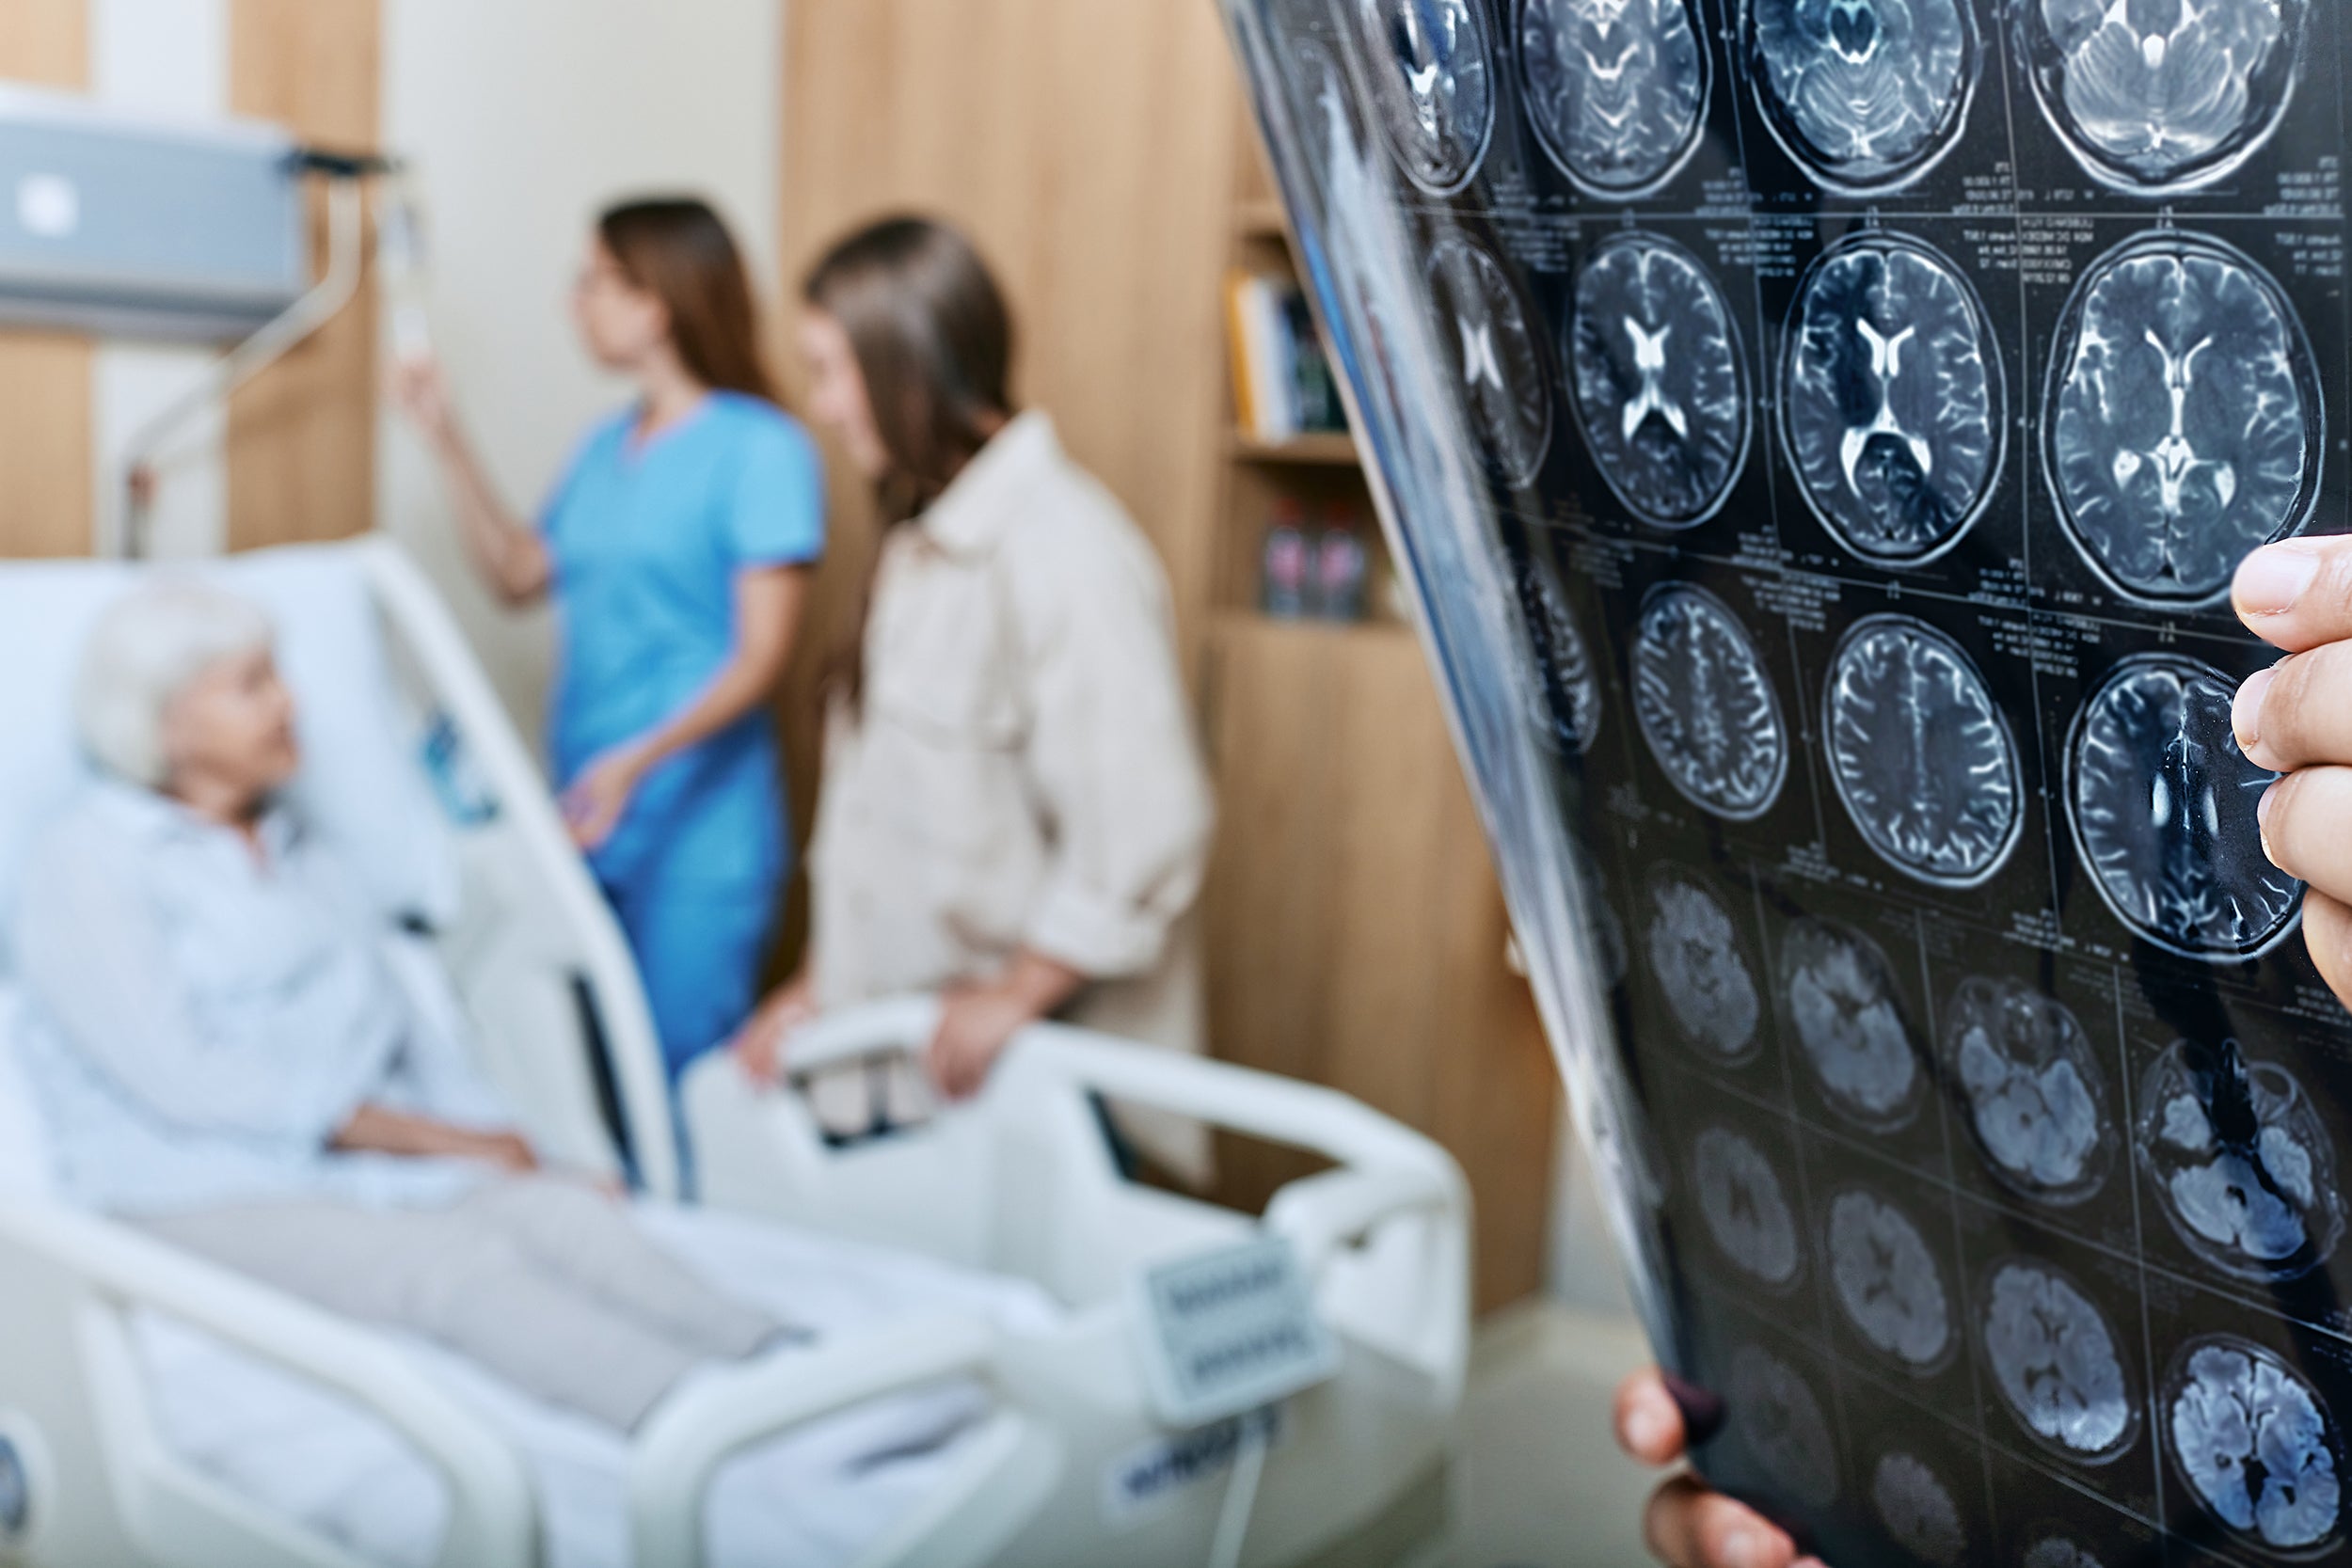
{"x":511,"y":557}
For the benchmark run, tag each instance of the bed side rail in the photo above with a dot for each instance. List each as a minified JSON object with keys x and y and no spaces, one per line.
{"x":1394,"y":1200}
{"x":60,"y":1264}
{"x":416,"y":614}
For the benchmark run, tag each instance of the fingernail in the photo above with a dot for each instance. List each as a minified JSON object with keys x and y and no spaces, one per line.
{"x":1744,"y":1550}
{"x":2273,"y":578}
{"x":1644,"y":1429}
{"x":2261,"y":824}
{"x":2247,"y":708}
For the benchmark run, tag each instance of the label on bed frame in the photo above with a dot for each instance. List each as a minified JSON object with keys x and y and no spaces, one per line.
{"x":1140,"y":1481}
{"x":1232,"y":1330}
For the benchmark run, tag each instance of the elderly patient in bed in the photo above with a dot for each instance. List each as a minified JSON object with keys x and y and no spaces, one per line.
{"x":228,"y":1063}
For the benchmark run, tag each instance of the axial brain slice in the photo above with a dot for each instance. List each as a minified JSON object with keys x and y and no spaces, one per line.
{"x":1746,"y":1211}
{"x":1886,"y":1280}
{"x":2056,"y":1551}
{"x":2183,"y":434}
{"x":2164,"y":809}
{"x":1920,"y":755}
{"x":1567,"y":705}
{"x":1841,"y":1001}
{"x":1433,"y":83}
{"x":1865,"y":92}
{"x":2054,"y":1356}
{"x":2160,"y":93}
{"x":1779,"y":1420}
{"x":1658,"y":382}
{"x":1499,"y":370}
{"x":1706,"y":706}
{"x":1918,"y":1509}
{"x":1615,"y":88}
{"x":2242,"y":1163}
{"x":2034,"y":1103}
{"x":1695,"y":957}
{"x":2257,"y":1444}
{"x":1894,"y":398}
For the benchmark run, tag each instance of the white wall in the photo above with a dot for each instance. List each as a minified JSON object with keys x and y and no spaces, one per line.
{"x":523,"y":118}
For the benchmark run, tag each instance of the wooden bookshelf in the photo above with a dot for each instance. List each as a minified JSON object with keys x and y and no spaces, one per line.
{"x":1356,"y":932}
{"x":1316,"y":447}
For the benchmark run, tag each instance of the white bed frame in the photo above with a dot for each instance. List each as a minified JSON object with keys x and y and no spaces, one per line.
{"x":1019,"y":1181}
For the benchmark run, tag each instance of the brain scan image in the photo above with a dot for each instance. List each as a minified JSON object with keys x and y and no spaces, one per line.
{"x":1701,"y":967}
{"x":1565,"y":705}
{"x":1431,"y":74}
{"x":1778,"y":1417}
{"x":1497,"y":369}
{"x":2163,"y":805}
{"x":2054,"y":1550}
{"x":1886,"y":1280}
{"x":1841,"y":1001}
{"x":1866,"y":94}
{"x":2256,"y":1443}
{"x":1920,"y":754}
{"x":1615,"y":89}
{"x":1600,"y":917}
{"x":1658,"y":385}
{"x":1744,"y":1206}
{"x":2240,"y":1162}
{"x":1918,"y":1509}
{"x":2162,"y":96}
{"x":2185,"y":425}
{"x":1893,"y":405}
{"x":1706,"y":706}
{"x":2054,"y":1357}
{"x":2031,"y":1088}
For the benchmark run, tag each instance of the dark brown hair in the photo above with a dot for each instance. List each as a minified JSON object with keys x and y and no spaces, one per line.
{"x":678,"y":250}
{"x":933,"y":343}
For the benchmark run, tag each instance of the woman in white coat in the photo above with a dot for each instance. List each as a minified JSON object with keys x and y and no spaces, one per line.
{"x":1013,"y":811}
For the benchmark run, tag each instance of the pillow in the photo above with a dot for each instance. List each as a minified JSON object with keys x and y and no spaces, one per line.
{"x":362,"y":781}
{"x":361,"y":786}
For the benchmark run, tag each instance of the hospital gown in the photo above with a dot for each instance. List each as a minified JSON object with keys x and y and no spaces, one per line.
{"x":208,"y":1015}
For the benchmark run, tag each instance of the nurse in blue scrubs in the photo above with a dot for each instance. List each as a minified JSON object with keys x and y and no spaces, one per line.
{"x":676,"y":546}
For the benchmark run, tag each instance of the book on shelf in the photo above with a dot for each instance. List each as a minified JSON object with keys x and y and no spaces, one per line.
{"x":1282,"y":384}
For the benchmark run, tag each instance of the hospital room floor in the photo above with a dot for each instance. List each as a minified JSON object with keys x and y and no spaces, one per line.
{"x":1543,"y":1486}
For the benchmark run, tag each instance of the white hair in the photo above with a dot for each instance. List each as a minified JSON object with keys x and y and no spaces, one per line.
{"x":146,"y":648}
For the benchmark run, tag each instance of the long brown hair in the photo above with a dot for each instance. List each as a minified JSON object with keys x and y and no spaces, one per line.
{"x":679,"y":250}
{"x":933,"y":341}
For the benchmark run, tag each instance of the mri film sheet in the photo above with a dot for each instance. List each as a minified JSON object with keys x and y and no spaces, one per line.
{"x":1819,"y":436}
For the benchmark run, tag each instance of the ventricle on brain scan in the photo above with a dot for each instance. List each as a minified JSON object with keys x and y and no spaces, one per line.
{"x":1820,"y":438}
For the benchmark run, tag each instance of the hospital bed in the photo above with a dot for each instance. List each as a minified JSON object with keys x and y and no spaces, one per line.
{"x":975,"y":1392}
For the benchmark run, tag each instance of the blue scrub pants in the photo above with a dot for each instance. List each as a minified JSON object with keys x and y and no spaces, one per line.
{"x":698,"y":946}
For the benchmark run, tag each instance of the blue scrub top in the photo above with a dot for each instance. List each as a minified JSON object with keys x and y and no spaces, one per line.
{"x":648,"y":541}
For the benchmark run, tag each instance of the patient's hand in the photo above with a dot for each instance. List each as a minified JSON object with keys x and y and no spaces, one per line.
{"x":758,"y":1046}
{"x":378,"y":1130}
{"x":509,"y":1151}
{"x":1688,"y":1524}
{"x":2296,"y":718}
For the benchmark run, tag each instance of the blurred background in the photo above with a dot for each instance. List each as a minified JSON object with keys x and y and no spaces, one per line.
{"x":1102,"y":156}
